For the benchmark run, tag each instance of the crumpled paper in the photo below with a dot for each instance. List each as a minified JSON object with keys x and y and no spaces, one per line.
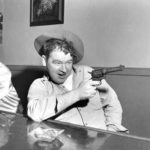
{"x":46,"y":134}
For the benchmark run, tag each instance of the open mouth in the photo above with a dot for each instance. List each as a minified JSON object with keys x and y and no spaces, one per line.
{"x":62,"y":75}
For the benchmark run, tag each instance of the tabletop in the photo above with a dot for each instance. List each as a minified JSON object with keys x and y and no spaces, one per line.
{"x":17,"y":132}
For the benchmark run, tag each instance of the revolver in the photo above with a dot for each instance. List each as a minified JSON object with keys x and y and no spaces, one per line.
{"x":99,"y":74}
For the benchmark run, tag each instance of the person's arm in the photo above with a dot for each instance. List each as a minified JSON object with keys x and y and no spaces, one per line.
{"x":43,"y":103}
{"x":5,"y":80}
{"x":112,"y":108}
{"x":9,"y":99}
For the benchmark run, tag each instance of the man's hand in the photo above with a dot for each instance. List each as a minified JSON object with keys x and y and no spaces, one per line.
{"x":87,"y":89}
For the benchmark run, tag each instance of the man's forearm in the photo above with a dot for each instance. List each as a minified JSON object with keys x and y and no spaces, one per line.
{"x":67,"y":99}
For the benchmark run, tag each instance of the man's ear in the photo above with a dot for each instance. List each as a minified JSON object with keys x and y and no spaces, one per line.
{"x":43,"y":60}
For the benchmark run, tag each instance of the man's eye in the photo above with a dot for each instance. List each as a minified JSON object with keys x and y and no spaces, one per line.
{"x":57,"y":62}
{"x":69,"y":62}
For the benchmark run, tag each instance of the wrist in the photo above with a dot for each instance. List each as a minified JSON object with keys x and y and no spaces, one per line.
{"x":76,"y":94}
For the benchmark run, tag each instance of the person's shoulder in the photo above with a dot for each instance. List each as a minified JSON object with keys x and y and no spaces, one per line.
{"x":38,"y":84}
{"x":39,"y":81}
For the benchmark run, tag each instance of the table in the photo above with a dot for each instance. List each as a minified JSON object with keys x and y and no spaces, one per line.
{"x":17,"y":132}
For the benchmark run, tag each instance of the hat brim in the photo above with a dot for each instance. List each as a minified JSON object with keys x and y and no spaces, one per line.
{"x":62,"y":34}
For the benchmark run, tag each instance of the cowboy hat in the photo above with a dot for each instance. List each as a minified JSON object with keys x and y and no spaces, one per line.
{"x":77,"y":43}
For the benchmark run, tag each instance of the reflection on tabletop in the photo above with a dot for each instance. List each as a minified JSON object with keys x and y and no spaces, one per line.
{"x":46,"y":136}
{"x":6,"y":120}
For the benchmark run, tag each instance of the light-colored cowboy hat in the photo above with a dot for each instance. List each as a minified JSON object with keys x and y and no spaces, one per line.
{"x":62,"y":34}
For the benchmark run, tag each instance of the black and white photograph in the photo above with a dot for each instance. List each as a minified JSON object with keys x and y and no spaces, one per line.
{"x":74,"y":74}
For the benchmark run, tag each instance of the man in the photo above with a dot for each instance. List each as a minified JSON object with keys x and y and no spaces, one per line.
{"x":9,"y":99}
{"x":69,"y":94}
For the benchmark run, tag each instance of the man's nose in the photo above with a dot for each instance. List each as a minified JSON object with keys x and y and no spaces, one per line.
{"x":63,"y":67}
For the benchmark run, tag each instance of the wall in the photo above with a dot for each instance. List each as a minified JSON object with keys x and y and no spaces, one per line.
{"x":114,"y":32}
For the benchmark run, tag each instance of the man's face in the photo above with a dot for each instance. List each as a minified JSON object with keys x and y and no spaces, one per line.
{"x":59,"y":66}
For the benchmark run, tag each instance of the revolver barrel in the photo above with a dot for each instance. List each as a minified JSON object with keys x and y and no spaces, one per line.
{"x":100,"y":73}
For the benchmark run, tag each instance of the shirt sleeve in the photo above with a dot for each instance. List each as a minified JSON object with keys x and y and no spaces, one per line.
{"x":5,"y":80}
{"x":41,"y":101}
{"x":44,"y":103}
{"x":112,"y":108}
{"x":9,"y":99}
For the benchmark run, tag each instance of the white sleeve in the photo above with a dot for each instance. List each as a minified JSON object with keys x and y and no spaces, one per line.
{"x":9,"y":99}
{"x":43,"y":103}
{"x":5,"y":80}
{"x":112,"y":108}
